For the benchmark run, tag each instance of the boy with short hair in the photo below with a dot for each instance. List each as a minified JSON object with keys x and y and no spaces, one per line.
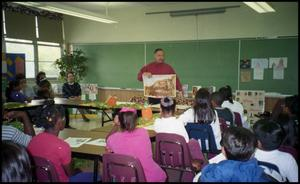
{"x":238,"y":145}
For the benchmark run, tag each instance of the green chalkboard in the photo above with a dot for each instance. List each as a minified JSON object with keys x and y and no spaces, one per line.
{"x":205,"y":63}
{"x":273,"y":48}
{"x":113,"y":65}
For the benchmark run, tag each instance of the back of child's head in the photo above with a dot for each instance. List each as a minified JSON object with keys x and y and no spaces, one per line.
{"x":128,"y":119}
{"x":202,"y":107}
{"x":15,"y":163}
{"x":49,"y":114}
{"x":292,"y":103}
{"x":268,"y":133}
{"x":167,"y":105}
{"x":239,"y":143}
{"x":226,"y":93}
{"x":217,"y":97}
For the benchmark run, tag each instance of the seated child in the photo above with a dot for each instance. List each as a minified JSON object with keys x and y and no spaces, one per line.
{"x":15,"y":163}
{"x":14,"y":93}
{"x":238,"y":146}
{"x":135,"y":142}
{"x":223,"y":112}
{"x":168,"y":123}
{"x":269,"y":137}
{"x":47,"y":144}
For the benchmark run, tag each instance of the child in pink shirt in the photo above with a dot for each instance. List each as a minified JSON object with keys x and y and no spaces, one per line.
{"x":47,"y":144}
{"x":135,"y":142}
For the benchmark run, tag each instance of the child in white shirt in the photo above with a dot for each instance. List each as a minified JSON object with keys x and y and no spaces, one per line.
{"x":168,"y":123}
{"x":202,"y":112}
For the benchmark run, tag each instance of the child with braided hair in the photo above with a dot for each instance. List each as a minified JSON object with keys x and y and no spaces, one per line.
{"x":47,"y":144}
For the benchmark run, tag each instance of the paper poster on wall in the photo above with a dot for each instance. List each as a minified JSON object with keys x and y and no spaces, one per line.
{"x":278,"y":73}
{"x":259,"y":63}
{"x":245,"y":64}
{"x":278,"y":62}
{"x":258,"y":73}
{"x":245,"y":75}
{"x":159,"y":86}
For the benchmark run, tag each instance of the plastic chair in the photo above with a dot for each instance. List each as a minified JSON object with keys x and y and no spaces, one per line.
{"x":172,"y":154}
{"x":122,"y":168}
{"x":44,"y":170}
{"x":238,"y":119}
{"x":223,"y":124}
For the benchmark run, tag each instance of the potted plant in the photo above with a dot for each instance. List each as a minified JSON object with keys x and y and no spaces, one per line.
{"x":75,"y":62}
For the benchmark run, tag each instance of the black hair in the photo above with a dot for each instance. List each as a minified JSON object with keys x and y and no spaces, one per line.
{"x":289,"y":130}
{"x":9,"y":89}
{"x":167,"y":105}
{"x":227,"y":93}
{"x":217,"y":97}
{"x":44,"y":83}
{"x":292,"y":103}
{"x":37,"y":78}
{"x":15,"y":163}
{"x":20,"y":76}
{"x":127,"y":120}
{"x":158,"y":49}
{"x":48,"y":114}
{"x":239,"y":143}
{"x":203,"y":111}
{"x":269,"y":133}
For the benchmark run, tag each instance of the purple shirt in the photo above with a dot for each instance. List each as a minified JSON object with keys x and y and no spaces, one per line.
{"x":137,"y":144}
{"x":18,"y":96}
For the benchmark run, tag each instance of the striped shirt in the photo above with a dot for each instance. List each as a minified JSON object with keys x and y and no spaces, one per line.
{"x":15,"y":135}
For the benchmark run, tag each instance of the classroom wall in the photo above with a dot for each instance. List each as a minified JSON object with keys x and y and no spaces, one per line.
{"x":135,"y":26}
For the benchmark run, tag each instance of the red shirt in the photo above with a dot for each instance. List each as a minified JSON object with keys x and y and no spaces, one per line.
{"x":51,"y":147}
{"x":156,"y":68}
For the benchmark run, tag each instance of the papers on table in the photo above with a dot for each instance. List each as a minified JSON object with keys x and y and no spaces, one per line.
{"x":97,"y":142}
{"x":150,"y":127}
{"x":76,"y":142}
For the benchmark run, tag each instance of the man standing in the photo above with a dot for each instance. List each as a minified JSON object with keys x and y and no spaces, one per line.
{"x":158,"y":67}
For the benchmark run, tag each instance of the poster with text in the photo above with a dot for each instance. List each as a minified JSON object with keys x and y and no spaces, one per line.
{"x":158,"y":86}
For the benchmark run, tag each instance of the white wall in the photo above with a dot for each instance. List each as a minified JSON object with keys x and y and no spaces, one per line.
{"x":135,"y":26}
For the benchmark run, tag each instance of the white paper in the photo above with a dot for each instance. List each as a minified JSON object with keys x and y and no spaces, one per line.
{"x":259,"y":63}
{"x":258,"y":74}
{"x":83,"y":97}
{"x":278,"y":62}
{"x":150,"y":127}
{"x":92,"y":96}
{"x":97,"y":142}
{"x":278,"y":73}
{"x":76,"y":142}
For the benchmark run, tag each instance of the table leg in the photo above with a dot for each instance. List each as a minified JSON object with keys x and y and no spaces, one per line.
{"x":96,"y":164}
{"x":67,"y":116}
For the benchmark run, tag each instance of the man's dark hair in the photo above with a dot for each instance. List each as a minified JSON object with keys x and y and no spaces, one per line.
{"x":167,"y":105}
{"x":226,"y":93}
{"x":15,"y":163}
{"x":217,"y":97}
{"x":158,"y":49}
{"x":269,"y":133}
{"x":239,"y":143}
{"x":127,"y":120}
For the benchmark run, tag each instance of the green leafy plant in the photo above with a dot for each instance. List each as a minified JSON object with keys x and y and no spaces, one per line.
{"x":75,"y":62}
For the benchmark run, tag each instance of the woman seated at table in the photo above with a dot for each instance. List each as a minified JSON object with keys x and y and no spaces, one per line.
{"x":47,"y":144}
{"x":135,"y":142}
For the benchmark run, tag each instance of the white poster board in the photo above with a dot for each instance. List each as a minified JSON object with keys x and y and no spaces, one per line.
{"x":159,"y":86}
{"x":252,"y":101}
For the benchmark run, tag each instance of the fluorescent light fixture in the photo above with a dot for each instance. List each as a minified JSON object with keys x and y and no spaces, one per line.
{"x":72,"y":11}
{"x":260,"y":7}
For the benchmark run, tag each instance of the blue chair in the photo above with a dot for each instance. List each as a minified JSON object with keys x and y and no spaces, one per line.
{"x":203,"y":132}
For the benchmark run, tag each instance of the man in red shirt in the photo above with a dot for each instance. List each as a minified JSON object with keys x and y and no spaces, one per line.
{"x":158,"y":67}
